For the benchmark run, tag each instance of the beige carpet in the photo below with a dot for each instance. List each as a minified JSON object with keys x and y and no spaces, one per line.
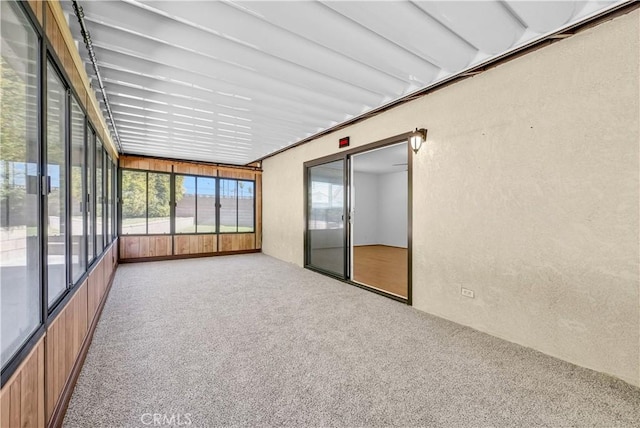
{"x":252,"y":341}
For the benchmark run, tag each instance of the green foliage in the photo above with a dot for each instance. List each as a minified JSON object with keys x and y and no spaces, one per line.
{"x":135,"y":197}
{"x":159,"y":194}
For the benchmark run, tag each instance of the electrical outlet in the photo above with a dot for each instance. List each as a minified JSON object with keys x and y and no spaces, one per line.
{"x":466,"y":292}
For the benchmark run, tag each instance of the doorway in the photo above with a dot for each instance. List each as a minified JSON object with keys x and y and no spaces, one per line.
{"x":379,"y":215}
{"x":358,"y":217}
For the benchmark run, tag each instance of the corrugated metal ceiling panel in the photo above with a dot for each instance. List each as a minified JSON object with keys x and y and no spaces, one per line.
{"x":233,"y":81}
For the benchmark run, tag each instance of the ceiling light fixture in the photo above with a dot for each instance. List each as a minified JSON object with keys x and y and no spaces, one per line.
{"x":416,"y":139}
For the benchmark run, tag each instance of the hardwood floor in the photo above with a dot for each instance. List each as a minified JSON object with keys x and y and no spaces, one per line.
{"x":382,"y":267}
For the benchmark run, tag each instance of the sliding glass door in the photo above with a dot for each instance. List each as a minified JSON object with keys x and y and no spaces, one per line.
{"x":326,"y":204}
{"x":357,"y":214}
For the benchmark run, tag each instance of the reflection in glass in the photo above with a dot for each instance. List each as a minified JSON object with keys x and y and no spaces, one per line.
{"x":19,"y":267}
{"x":91,"y":142}
{"x":185,"y":204}
{"x":326,"y":217}
{"x":99,"y":197}
{"x":206,"y":205}
{"x":134,"y":202}
{"x":158,"y":203}
{"x":109,"y":201}
{"x":56,"y":226}
{"x":78,"y":205}
{"x":228,"y":205}
{"x":245,"y":205}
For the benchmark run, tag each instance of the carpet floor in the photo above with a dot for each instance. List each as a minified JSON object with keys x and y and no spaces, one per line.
{"x":249,"y":340}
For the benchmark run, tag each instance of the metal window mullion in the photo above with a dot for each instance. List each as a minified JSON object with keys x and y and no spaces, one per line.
{"x":217,"y":210}
{"x":237,"y":204}
{"x":195,"y":214}
{"x":42,"y":173}
{"x":146,"y":215}
{"x":67,"y":196}
{"x":85,"y":191}
{"x":172,"y":203}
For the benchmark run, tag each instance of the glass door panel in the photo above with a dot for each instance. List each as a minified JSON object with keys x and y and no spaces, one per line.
{"x":326,"y":213}
{"x":56,"y":194}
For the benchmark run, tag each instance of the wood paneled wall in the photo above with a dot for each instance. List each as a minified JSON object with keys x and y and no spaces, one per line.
{"x":22,"y":398}
{"x":141,"y":247}
{"x":38,"y":392}
{"x":62,"y":342}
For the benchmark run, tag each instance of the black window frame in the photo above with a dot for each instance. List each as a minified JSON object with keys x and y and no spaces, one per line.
{"x":172,"y":212}
{"x":237,"y":180}
{"x":121,"y":171}
{"x":46,"y":56}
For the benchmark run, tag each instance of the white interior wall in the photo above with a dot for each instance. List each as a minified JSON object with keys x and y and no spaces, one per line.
{"x":527,"y":191}
{"x":392,"y":209}
{"x":365,"y":213}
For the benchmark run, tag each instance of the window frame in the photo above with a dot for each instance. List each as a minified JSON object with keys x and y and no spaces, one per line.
{"x":253,"y":226}
{"x":121,"y":171}
{"x":52,"y":63}
{"x":172,"y":211}
{"x":217,"y":204}
{"x":44,"y":56}
{"x":18,"y":355}
{"x":83,"y":192}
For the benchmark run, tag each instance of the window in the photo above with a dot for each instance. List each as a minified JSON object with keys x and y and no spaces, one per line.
{"x":236,"y":205}
{"x":78,"y":198}
{"x":202,"y":204}
{"x":185,"y":204}
{"x":57,"y":186}
{"x":91,"y":193}
{"x":109,"y":199}
{"x":158,"y":203}
{"x":19,"y":213}
{"x":206,"y":205}
{"x":195,"y":204}
{"x":146,"y":207}
{"x":114,"y":211}
{"x":328,"y":201}
{"x":99,"y":197}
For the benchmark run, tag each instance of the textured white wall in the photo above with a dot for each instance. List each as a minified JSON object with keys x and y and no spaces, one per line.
{"x":527,"y":192}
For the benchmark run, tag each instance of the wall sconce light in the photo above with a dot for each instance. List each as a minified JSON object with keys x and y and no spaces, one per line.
{"x":416,"y":139}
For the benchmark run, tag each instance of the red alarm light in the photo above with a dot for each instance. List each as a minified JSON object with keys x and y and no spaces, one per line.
{"x":343,"y":142}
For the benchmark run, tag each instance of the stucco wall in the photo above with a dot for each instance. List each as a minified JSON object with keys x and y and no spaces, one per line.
{"x":527,"y":192}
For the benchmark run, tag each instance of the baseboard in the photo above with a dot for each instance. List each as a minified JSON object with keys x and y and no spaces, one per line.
{"x":187,"y":256}
{"x":60,"y":410}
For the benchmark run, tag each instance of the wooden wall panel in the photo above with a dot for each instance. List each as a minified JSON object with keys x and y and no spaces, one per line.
{"x":181,"y":244}
{"x":130,"y":246}
{"x":183,"y":167}
{"x":258,"y":211}
{"x":161,"y":246}
{"x":207,"y":243}
{"x":22,"y":398}
{"x":94,"y":291}
{"x":133,"y":247}
{"x":237,"y":242}
{"x":247,"y":174}
{"x":63,"y":342}
{"x":37,"y":7}
{"x":195,"y":244}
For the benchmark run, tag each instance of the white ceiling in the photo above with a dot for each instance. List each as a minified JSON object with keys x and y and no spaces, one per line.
{"x":233,"y":81}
